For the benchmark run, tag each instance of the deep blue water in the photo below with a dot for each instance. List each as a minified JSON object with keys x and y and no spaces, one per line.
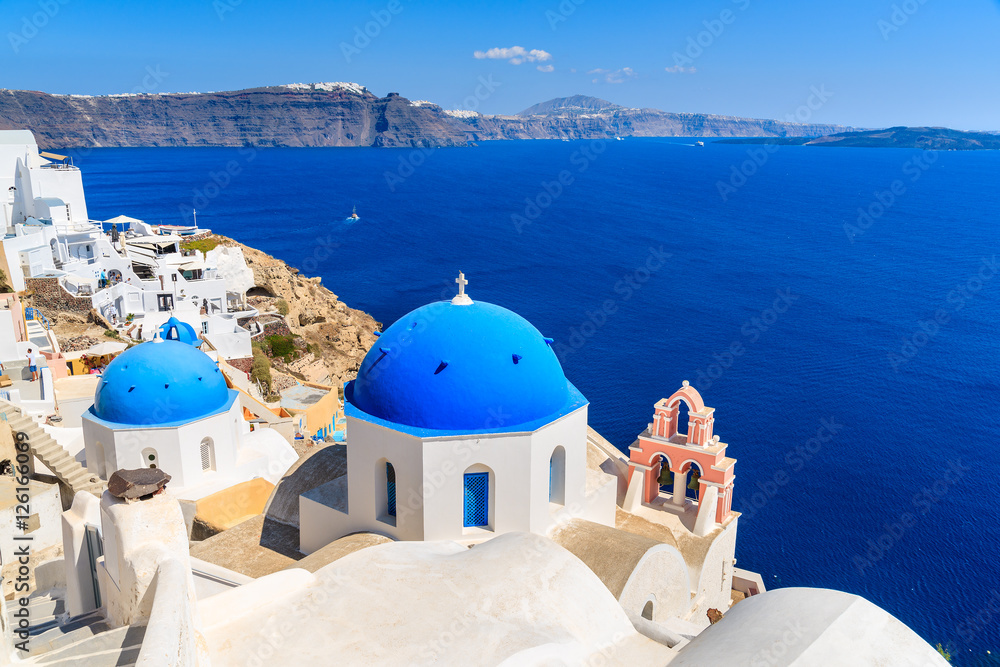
{"x":911,"y":460}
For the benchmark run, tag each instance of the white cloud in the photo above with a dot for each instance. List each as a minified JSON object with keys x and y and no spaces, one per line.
{"x":515,"y":55}
{"x":677,"y":69}
{"x":614,"y":76}
{"x":545,"y":68}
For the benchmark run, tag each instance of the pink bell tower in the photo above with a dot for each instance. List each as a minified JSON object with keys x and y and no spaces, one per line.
{"x":699,"y":452}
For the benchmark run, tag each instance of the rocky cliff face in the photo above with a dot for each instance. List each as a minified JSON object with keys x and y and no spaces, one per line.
{"x":340,"y":335}
{"x":590,"y":118}
{"x":338,"y":114}
{"x":303,"y":115}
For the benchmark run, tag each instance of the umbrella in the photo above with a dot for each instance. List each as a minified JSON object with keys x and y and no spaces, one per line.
{"x":102,"y":349}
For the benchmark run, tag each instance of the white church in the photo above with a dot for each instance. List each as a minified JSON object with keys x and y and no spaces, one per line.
{"x":463,"y":426}
{"x":166,"y":404}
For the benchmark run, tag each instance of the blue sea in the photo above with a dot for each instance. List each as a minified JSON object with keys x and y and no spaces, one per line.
{"x":838,"y":307}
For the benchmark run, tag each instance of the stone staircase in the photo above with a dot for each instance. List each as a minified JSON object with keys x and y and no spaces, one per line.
{"x":84,"y":641}
{"x":51,"y":453}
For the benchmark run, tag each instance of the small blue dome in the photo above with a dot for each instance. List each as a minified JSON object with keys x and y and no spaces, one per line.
{"x":160,"y":382}
{"x":475,"y":367}
{"x":174,"y":329}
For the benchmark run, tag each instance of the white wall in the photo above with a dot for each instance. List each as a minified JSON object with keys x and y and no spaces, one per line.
{"x":8,"y":335}
{"x":45,"y":502}
{"x":430,"y":483}
{"x":178,"y":449}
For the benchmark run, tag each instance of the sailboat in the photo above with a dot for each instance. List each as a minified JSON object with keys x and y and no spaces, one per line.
{"x":354,"y":215}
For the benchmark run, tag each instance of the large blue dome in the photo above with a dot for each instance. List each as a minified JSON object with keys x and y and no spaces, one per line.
{"x":476,"y":367}
{"x":160,"y":382}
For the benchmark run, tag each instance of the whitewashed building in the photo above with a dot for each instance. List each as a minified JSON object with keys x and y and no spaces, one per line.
{"x":462,"y":426}
{"x":166,"y":404}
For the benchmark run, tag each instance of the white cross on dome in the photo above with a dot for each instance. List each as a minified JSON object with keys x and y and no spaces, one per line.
{"x":461,"y":299}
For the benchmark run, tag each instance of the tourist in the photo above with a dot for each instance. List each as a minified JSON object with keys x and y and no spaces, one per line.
{"x":33,"y":364}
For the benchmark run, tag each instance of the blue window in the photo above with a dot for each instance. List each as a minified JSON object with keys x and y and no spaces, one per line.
{"x":477,"y":497}
{"x":390,"y":489}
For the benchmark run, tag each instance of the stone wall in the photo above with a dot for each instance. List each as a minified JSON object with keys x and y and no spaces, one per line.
{"x":276,"y":326}
{"x":50,"y":298}
{"x":243,"y":364}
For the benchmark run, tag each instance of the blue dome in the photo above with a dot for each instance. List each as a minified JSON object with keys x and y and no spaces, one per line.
{"x":475,"y":367}
{"x":174,"y":329}
{"x":160,"y":382}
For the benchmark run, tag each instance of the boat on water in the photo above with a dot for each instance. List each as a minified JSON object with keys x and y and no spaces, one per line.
{"x":354,"y":215}
{"x":700,"y":143}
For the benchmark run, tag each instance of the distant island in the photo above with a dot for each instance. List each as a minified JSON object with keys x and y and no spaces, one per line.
{"x":926,"y":138}
{"x":345,"y":114}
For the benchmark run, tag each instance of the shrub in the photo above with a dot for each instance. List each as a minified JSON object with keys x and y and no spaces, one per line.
{"x":204,"y":245}
{"x":282,"y":346}
{"x":282,"y":306}
{"x":260,"y":370}
{"x":111,"y":333}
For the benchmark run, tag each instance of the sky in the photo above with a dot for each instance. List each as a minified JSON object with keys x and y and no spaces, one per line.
{"x":864,"y":63}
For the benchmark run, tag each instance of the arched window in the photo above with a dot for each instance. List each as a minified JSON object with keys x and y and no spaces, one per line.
{"x":149,"y":458}
{"x":390,"y":489}
{"x":478,"y":495}
{"x":682,"y":417}
{"x":207,"y":455}
{"x":647,"y":611}
{"x":557,"y":476}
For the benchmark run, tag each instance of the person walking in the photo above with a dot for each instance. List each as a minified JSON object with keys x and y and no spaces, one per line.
{"x":33,"y":364}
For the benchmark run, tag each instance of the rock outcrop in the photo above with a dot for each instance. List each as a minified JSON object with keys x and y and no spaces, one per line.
{"x":338,"y":336}
{"x":297,"y":115}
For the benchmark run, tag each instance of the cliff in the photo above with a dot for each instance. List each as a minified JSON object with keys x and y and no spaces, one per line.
{"x":344,"y":114}
{"x":294,"y":115}
{"x":581,"y":117}
{"x":925,"y":138}
{"x":337,"y":336}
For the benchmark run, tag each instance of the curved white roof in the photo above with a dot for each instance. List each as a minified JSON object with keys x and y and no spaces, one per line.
{"x":806,"y":627}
